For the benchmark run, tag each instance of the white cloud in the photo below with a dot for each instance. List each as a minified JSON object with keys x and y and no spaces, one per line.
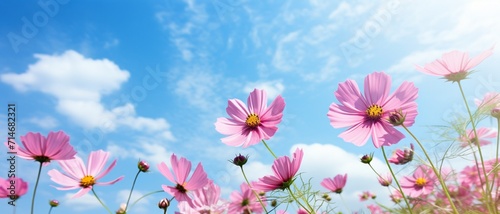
{"x":78,"y":84}
{"x":148,"y":150}
{"x":46,"y":122}
{"x":198,"y":87}
{"x":272,"y":88}
{"x":112,"y":43}
{"x":284,"y":59}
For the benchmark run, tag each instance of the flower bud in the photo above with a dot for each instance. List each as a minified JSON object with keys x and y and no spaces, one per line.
{"x":496,"y":112}
{"x":367,"y":158}
{"x":163,"y":204}
{"x":143,"y":166}
{"x":397,"y":118}
{"x":240,"y":160}
{"x":54,"y":203}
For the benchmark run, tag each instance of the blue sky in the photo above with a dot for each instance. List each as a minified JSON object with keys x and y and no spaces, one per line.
{"x":145,"y":80}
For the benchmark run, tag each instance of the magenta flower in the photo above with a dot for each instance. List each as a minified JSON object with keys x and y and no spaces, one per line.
{"x":420,"y":183}
{"x":245,"y":201}
{"x":480,"y":140}
{"x":13,"y":188}
{"x":249,"y":125}
{"x":77,"y":175}
{"x":368,"y":115}
{"x":400,"y":157}
{"x":181,"y":168}
{"x":55,"y":147}
{"x":455,"y":65}
{"x":336,"y":184}
{"x":284,"y":172}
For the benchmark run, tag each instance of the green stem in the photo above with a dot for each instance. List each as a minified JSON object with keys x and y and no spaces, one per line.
{"x":488,"y":198}
{"x":157,"y":191}
{"x":438,"y":174}
{"x":131,"y":189}
{"x":343,"y":202}
{"x":109,"y":211}
{"x":50,"y":210}
{"x":250,"y":186}
{"x":34,"y":190}
{"x":269,"y":149}
{"x":396,"y":181}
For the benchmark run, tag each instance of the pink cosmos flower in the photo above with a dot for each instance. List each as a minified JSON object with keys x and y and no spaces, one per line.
{"x":181,"y":168}
{"x":77,"y":175}
{"x":13,"y":188}
{"x":386,"y":180}
{"x":245,"y":201}
{"x":400,"y":157}
{"x":55,"y":147}
{"x":420,"y":183}
{"x":374,"y":209}
{"x":455,"y":65}
{"x":249,"y":125}
{"x":368,"y":115}
{"x":336,"y":184}
{"x":396,"y":196}
{"x":284,"y":172}
{"x":205,"y":200}
{"x":480,"y":140}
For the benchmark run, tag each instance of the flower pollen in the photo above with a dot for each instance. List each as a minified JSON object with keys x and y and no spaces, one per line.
{"x":420,"y":182}
{"x":181,"y":188}
{"x":87,"y":181}
{"x":374,"y":112}
{"x":253,"y":120}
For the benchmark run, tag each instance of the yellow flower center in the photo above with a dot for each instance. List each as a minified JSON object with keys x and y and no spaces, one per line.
{"x":252,"y":121}
{"x":374,"y":112}
{"x":87,"y":181}
{"x":420,"y":182}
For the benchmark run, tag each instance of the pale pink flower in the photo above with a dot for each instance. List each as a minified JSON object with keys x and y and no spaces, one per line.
{"x":79,"y":176}
{"x":44,"y":149}
{"x":368,"y":115}
{"x":455,"y":65}
{"x":400,"y":157}
{"x":480,"y":140}
{"x":250,"y":124}
{"x":245,"y":201}
{"x":302,"y":211}
{"x":420,"y":183}
{"x":336,"y":184}
{"x":366,"y":195}
{"x":181,"y":169}
{"x":205,"y":200}
{"x":284,"y":172}
{"x":386,"y":180}
{"x":13,"y":188}
{"x":396,"y":196}
{"x":490,"y":104}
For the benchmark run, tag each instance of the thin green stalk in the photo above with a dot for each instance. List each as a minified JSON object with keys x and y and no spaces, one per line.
{"x":438,"y":174}
{"x":157,"y":191}
{"x":396,"y":180}
{"x":34,"y":190}
{"x":269,"y":149}
{"x":50,"y":210}
{"x":488,"y":198}
{"x":131,"y":190}
{"x":255,"y":193}
{"x":297,"y":200}
{"x":109,"y":211}
{"x":343,"y":202}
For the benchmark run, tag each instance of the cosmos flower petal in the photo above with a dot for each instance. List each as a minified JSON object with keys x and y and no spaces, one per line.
{"x":165,"y":171}
{"x":237,"y":110}
{"x":357,"y":134}
{"x":348,"y":95}
{"x":342,"y":116}
{"x":198,"y":180}
{"x":63,"y":179}
{"x":257,"y":101}
{"x":101,"y":174}
{"x":82,"y":192}
{"x":96,"y":162}
{"x":181,"y":168}
{"x":235,"y":140}
{"x":228,"y":126}
{"x":111,"y":182}
{"x":377,"y":87}
{"x":384,"y":134}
